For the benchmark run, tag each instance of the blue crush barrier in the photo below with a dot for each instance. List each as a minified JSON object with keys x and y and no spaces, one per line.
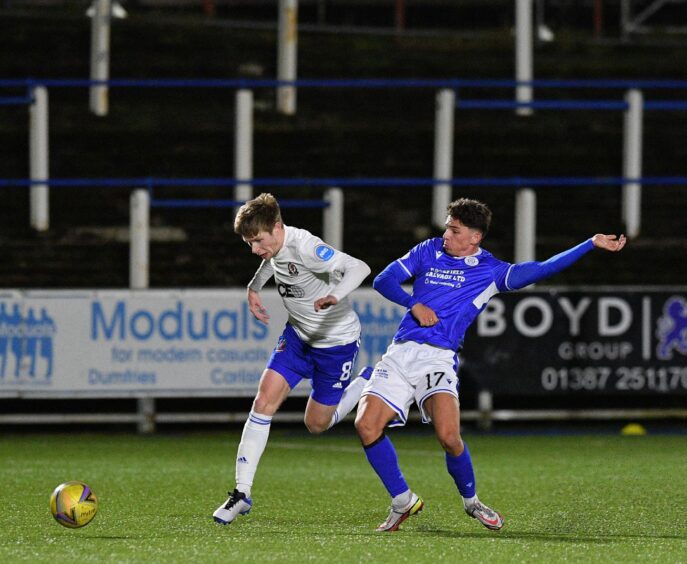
{"x":512,"y":181}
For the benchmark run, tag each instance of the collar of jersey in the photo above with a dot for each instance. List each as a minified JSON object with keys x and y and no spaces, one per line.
{"x":479,"y":252}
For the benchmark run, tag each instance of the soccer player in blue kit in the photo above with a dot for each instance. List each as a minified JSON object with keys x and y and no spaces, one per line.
{"x":454,"y":278}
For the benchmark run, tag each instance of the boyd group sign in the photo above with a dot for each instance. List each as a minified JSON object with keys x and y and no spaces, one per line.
{"x":616,"y":342}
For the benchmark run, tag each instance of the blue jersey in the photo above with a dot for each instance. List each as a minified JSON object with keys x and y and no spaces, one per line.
{"x":456,"y":288}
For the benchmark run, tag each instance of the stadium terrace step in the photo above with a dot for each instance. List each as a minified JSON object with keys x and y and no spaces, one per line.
{"x":335,"y":133}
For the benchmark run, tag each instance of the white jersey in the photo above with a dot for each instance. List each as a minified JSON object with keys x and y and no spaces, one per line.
{"x":306,"y":269}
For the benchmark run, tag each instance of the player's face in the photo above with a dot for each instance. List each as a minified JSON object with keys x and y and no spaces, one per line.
{"x":459,"y":240}
{"x":265,"y":244}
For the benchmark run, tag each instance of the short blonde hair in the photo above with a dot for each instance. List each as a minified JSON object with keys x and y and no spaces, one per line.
{"x":256,"y":215}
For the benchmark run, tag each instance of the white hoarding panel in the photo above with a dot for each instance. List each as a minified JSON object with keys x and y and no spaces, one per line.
{"x":149,"y":342}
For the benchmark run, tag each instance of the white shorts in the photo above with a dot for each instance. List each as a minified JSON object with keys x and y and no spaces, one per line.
{"x":409,"y":372}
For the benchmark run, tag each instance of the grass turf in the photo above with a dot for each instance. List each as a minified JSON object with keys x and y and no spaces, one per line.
{"x":565,"y":498}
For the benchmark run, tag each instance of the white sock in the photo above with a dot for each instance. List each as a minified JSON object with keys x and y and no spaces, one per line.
{"x":348,"y":401}
{"x":469,"y":501}
{"x":401,"y":500}
{"x":252,"y":445}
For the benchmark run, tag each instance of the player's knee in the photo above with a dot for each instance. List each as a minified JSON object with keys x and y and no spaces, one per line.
{"x":315,"y":426}
{"x":450,"y":441}
{"x":262,"y":404}
{"x":367,"y":430}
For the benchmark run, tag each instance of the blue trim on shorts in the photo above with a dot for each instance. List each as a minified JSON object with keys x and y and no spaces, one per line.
{"x":399,"y":411}
{"x":296,"y":360}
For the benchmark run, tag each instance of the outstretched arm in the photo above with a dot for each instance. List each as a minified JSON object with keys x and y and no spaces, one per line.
{"x":526,"y":273}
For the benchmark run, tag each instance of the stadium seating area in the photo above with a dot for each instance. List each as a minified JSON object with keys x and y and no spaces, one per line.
{"x":336,"y":133}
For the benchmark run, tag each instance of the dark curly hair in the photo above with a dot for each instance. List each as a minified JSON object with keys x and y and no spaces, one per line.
{"x":471,"y":213}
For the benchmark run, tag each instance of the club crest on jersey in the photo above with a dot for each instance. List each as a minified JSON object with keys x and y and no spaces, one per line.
{"x":471,"y":261}
{"x":324,"y":252}
{"x":293,"y":271}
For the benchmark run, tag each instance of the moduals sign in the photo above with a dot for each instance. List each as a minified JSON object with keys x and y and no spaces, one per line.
{"x":132,"y":343}
{"x":124,"y":343}
{"x":584,"y":342}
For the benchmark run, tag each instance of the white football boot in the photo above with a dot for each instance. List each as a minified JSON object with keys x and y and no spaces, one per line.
{"x":398,"y":515}
{"x":237,"y":504}
{"x":491,"y":519}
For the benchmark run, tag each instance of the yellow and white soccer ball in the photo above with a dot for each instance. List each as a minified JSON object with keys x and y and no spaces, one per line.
{"x":73,"y":504}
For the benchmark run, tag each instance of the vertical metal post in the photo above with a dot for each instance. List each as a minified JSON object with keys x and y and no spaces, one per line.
{"x":632,"y":162}
{"x":139,"y":244}
{"x":525,"y":225}
{"x":146,"y":415}
{"x":287,"y":55}
{"x":523,"y":54}
{"x":39,"y":159}
{"x":100,"y":55}
{"x":625,"y":15}
{"x":598,"y":18}
{"x":443,"y":154}
{"x":138,"y":280}
{"x":243,"y":144}
{"x":485,"y":405}
{"x":333,"y":218}
{"x":400,"y":15}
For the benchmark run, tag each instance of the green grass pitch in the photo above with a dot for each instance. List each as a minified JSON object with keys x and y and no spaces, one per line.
{"x":581,"y":498}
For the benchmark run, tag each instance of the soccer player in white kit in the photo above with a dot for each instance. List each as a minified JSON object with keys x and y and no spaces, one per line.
{"x":320,"y":341}
{"x":454,"y":278}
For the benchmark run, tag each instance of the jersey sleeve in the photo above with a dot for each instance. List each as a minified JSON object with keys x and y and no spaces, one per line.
{"x":526,"y":273}
{"x":388,"y":283}
{"x":414,"y":260}
{"x":262,"y":275}
{"x":501,"y":273}
{"x":346,"y":273}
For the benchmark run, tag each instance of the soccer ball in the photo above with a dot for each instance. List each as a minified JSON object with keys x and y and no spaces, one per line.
{"x":73,"y":504}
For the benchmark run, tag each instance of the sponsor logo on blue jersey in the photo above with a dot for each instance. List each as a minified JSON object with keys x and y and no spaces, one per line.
{"x":324,"y":252}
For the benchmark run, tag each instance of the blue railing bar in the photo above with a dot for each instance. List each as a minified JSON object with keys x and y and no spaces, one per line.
{"x":346,"y":83}
{"x":195,"y":203}
{"x":665,"y":105}
{"x":347,"y":182}
{"x":543,"y":104}
{"x":16,"y":101}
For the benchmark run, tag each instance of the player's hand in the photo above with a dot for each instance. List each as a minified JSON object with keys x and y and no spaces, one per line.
{"x":425,"y":315}
{"x":611,"y":243}
{"x":256,"y":308}
{"x":324,"y":303}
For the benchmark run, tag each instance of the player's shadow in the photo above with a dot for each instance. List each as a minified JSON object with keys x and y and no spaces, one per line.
{"x":549,"y":537}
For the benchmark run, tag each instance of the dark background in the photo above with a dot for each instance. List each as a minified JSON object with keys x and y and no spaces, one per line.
{"x":336,"y":133}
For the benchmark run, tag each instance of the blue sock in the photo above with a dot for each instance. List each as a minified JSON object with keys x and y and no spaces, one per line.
{"x":382,"y":457}
{"x":460,"y":468}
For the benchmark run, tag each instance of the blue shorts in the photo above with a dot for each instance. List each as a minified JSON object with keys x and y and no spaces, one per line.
{"x":329,"y":369}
